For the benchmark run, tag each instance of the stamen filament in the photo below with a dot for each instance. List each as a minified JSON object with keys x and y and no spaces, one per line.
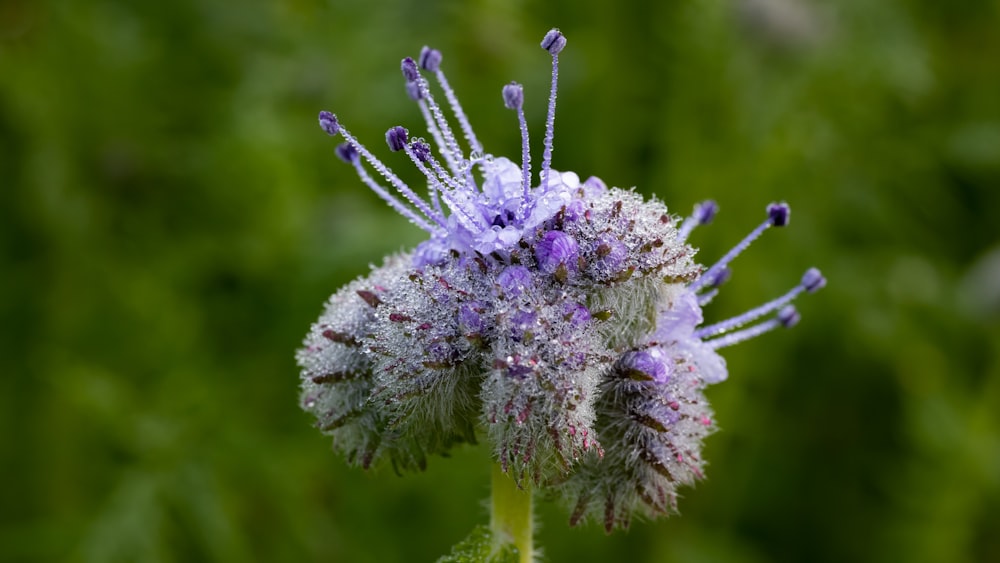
{"x":525,"y":159}
{"x":450,"y":144}
{"x":384,"y":171}
{"x":550,"y":123}
{"x":460,"y":213}
{"x":707,"y":297}
{"x":703,"y":214}
{"x":751,"y":315}
{"x":745,"y":334}
{"x":710,"y":274}
{"x":456,"y":108}
{"x":392,"y":201}
{"x":436,"y":135}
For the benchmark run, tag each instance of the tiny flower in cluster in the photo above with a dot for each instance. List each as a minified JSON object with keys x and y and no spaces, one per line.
{"x":561,"y":321}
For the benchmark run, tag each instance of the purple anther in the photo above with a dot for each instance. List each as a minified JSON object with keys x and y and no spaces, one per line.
{"x":645,"y":365}
{"x":813,"y":280}
{"x":328,"y":122}
{"x":413,"y":90}
{"x":788,"y":316}
{"x":395,"y":137}
{"x":409,"y":68}
{"x":421,"y":150}
{"x":430,"y":59}
{"x":514,"y":280}
{"x":778,"y":213}
{"x":513,"y":96}
{"x":554,"y":41}
{"x":719,"y":277}
{"x":555,"y":249}
{"x":705,"y":211}
{"x":347,"y":153}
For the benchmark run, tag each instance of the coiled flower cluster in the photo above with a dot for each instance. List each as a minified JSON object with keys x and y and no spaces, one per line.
{"x":561,"y":322}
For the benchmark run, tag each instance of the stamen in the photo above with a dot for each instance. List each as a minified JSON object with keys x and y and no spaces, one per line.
{"x":419,"y":153}
{"x":328,"y":122}
{"x":389,"y":198}
{"x":452,"y":196}
{"x":445,"y":138}
{"x":415,"y":94}
{"x":721,"y":277}
{"x":706,"y":298}
{"x":409,"y":68}
{"x":777,"y":215}
{"x":430,"y":60}
{"x":422,"y":152}
{"x":787,"y":318}
{"x":811,"y":279}
{"x":448,"y":179}
{"x":554,"y":42}
{"x":703,"y":214}
{"x":432,"y":127}
{"x":513,"y":98}
{"x":395,"y":137}
{"x":413,"y":91}
{"x":347,"y":152}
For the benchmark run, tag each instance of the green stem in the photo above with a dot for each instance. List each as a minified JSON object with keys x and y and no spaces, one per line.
{"x":510,"y":515}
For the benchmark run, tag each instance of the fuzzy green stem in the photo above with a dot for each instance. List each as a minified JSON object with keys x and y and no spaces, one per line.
{"x":510,"y":515}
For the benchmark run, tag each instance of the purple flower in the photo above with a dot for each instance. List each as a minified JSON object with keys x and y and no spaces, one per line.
{"x":560,"y":319}
{"x":514,"y":280}
{"x":645,"y":365}
{"x":556,"y":250}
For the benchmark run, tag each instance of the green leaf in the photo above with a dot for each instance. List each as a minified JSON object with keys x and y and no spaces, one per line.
{"x":479,"y":547}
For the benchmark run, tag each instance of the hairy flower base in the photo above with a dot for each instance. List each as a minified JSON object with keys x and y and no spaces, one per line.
{"x":562,"y":322}
{"x":408,"y":361}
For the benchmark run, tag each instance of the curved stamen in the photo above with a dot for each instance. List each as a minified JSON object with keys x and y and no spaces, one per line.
{"x":430,"y":60}
{"x":455,"y":189}
{"x":349,"y":154}
{"x":703,"y":214}
{"x":812,"y":281}
{"x":777,"y":216}
{"x":720,"y":277}
{"x":395,"y":137}
{"x":513,"y":98}
{"x":413,"y":90}
{"x":787,"y":318}
{"x":554,"y":42}
{"x":418,"y":154}
{"x":422,"y":152}
{"x":450,"y":145}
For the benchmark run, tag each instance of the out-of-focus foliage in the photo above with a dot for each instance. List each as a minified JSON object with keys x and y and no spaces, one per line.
{"x":172,"y":218}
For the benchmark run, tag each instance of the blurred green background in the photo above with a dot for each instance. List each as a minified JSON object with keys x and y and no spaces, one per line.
{"x":172,"y":219}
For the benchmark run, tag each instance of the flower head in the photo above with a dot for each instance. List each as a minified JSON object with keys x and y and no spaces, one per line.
{"x":562,"y":321}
